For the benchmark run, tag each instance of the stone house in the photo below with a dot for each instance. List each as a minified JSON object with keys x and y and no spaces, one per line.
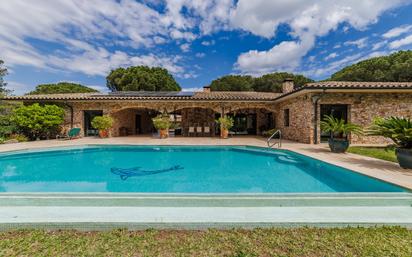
{"x":297,"y":111}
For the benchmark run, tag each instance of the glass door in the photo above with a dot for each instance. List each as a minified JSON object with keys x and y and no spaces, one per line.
{"x":88,"y":117}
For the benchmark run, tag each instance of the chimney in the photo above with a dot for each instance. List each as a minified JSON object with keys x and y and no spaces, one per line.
{"x":206,"y":89}
{"x":288,"y":86}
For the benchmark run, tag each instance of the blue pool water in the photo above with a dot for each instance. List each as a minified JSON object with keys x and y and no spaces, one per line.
{"x":177,"y":169}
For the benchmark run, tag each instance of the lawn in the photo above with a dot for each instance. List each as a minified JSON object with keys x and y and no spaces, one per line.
{"x":383,"y":153}
{"x":377,"y":241}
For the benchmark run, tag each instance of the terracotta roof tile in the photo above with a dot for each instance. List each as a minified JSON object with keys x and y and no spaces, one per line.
{"x":236,"y":96}
{"x":353,"y":85}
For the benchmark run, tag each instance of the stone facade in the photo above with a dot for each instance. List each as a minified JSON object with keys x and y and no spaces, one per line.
{"x":194,"y":113}
{"x":301,"y":115}
{"x":362,"y":109}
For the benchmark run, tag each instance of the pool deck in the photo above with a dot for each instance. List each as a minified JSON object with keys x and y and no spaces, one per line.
{"x":97,"y":211}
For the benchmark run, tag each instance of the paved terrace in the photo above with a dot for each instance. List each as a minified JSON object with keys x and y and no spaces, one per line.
{"x":384,"y":170}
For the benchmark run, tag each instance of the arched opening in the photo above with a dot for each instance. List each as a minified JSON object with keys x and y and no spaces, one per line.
{"x":195,"y":121}
{"x":251,"y":121}
{"x":133,"y":121}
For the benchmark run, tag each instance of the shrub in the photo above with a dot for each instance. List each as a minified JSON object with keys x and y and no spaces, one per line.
{"x":337,"y":126}
{"x":36,"y":121}
{"x":102,"y":122}
{"x":19,"y":137}
{"x":2,"y":140}
{"x":399,"y":130}
{"x":161,"y":122}
{"x":226,"y":122}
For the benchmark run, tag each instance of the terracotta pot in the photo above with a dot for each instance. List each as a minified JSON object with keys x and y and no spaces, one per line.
{"x":164,"y":133}
{"x":404,"y":157}
{"x":224,"y":133}
{"x":103,"y":133}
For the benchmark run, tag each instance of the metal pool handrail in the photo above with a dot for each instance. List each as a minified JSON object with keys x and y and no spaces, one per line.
{"x":279,"y":142}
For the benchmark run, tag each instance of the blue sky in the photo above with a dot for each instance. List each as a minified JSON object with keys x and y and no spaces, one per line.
{"x":46,"y":41}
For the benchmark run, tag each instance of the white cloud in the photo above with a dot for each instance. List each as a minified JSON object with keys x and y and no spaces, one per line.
{"x":396,"y":32}
{"x":185,"y":47}
{"x":379,"y":45}
{"x":308,"y":20}
{"x":200,"y":55}
{"x":360,"y":43}
{"x":208,"y":43}
{"x":18,"y":88}
{"x":83,"y":31}
{"x":331,"y":56}
{"x":282,"y":57}
{"x":401,"y":42}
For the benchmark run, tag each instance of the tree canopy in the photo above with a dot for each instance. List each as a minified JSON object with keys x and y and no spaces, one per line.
{"x":61,"y":88}
{"x":3,"y":73}
{"x":267,"y":83}
{"x":396,"y":67}
{"x":139,"y":78}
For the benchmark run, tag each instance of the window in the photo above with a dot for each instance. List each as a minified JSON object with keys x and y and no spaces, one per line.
{"x":286,"y":117}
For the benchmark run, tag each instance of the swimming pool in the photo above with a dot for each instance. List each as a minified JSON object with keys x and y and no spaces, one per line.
{"x":177,"y":169}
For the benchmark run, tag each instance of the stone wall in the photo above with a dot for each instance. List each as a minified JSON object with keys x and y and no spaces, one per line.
{"x":363,"y":108}
{"x":301,"y":113}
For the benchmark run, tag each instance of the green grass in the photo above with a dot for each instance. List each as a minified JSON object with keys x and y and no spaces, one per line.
{"x":376,"y":241}
{"x":383,"y":153}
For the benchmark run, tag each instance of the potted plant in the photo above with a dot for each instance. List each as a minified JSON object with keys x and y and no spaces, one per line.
{"x":399,"y":130}
{"x":339,"y":131}
{"x":162,"y":123}
{"x":226,"y":123}
{"x":102,"y":124}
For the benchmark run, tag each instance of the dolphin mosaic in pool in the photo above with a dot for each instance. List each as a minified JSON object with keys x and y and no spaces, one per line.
{"x":177,"y":169}
{"x":137,"y":171}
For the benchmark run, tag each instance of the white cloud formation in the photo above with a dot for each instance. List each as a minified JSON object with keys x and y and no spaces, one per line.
{"x":185,"y":47}
{"x":81,"y":32}
{"x":200,"y":55}
{"x":359,"y":43}
{"x":331,"y":56}
{"x":401,"y":42}
{"x":396,"y":32}
{"x":308,"y":19}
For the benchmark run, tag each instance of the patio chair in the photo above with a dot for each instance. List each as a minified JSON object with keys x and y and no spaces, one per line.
{"x":191,"y":131}
{"x":72,"y":133}
{"x":199,"y":131}
{"x":206,"y":131}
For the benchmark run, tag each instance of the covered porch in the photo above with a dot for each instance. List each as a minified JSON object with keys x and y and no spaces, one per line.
{"x":192,"y":121}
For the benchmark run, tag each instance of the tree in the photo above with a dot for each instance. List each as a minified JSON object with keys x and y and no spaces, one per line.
{"x":396,"y":67}
{"x":267,"y":83}
{"x":61,"y":88}
{"x":3,"y":73}
{"x":232,"y":83}
{"x":139,"y":78}
{"x":36,"y":121}
{"x":272,"y":82}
